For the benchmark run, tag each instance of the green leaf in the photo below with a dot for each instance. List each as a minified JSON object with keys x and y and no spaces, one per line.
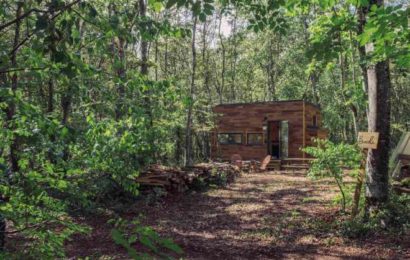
{"x":170,"y":3}
{"x":168,"y":243}
{"x":41,"y":22}
{"x":148,"y":243}
{"x":119,"y":238}
{"x":64,"y":132}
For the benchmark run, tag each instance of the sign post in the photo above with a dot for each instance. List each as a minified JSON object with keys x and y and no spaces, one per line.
{"x":368,"y":140}
{"x":365,"y":141}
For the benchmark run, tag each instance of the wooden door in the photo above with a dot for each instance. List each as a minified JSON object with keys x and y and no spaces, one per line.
{"x":274,"y":139}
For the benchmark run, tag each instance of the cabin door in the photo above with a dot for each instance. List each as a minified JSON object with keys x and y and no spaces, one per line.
{"x":273,"y":139}
{"x":278,"y":139}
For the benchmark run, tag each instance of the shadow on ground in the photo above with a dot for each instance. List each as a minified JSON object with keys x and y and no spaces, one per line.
{"x":260,"y":216}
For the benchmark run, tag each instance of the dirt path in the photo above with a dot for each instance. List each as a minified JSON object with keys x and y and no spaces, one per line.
{"x":262,"y":216}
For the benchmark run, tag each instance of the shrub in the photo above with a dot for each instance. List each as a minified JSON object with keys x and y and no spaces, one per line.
{"x":128,"y":233}
{"x":330,"y":161}
{"x":391,"y":218}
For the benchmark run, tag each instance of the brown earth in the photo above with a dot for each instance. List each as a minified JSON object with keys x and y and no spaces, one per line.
{"x":260,"y":216}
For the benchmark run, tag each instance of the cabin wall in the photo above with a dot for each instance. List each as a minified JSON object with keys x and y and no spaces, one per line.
{"x":313,"y":129}
{"x":250,"y":118}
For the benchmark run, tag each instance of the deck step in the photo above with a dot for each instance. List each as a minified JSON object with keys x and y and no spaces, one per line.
{"x":274,"y":165}
{"x":295,"y":166}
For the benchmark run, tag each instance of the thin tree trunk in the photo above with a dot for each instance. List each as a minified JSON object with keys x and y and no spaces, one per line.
{"x":118,"y":50}
{"x":223,"y":55}
{"x":188,"y":133}
{"x":144,"y":43}
{"x":65,"y":106}
{"x":50,"y":99}
{"x":121,"y":74}
{"x":234,"y":58}
{"x":144,"y":63}
{"x":271,"y":71}
{"x":156,"y":60}
{"x":166,"y":58}
{"x":13,"y":155}
{"x":205,"y":62}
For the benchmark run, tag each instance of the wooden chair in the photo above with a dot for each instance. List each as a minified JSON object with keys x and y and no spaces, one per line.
{"x":236,"y":159}
{"x":265,"y":162}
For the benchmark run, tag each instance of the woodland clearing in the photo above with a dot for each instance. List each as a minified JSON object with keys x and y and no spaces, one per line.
{"x":260,"y":216}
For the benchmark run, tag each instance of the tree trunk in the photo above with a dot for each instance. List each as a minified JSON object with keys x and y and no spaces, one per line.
{"x":156,"y":60}
{"x":379,"y":121}
{"x":118,"y":50}
{"x":234,"y":57}
{"x":144,"y":43}
{"x":223,"y":55}
{"x":378,"y":81}
{"x":188,"y":133}
{"x":11,"y":110}
{"x":144,"y":63}
{"x":205,"y":62}
{"x":271,"y":70}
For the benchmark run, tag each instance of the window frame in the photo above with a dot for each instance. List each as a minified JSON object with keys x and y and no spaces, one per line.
{"x":255,"y":133}
{"x":229,"y":143}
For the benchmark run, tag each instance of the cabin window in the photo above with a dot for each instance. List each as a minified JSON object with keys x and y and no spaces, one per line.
{"x":255,"y":138}
{"x":230,"y":138}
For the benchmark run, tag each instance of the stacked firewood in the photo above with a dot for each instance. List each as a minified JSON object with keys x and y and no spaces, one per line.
{"x":180,"y":180}
{"x":212,"y":172}
{"x":251,"y":166}
{"x":171,"y":179}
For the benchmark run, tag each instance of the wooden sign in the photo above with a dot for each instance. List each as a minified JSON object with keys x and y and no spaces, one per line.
{"x":368,"y":140}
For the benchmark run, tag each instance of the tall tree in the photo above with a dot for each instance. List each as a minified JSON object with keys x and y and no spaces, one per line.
{"x":188,"y":132}
{"x":379,"y":84}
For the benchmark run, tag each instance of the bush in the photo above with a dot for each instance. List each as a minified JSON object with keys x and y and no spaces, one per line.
{"x":392,"y":218}
{"x":128,"y":233}
{"x":330,"y":161}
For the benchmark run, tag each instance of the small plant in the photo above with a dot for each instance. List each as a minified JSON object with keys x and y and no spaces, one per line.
{"x":127,"y":233}
{"x":219,"y":178}
{"x":330,"y":161}
{"x":392,"y":218}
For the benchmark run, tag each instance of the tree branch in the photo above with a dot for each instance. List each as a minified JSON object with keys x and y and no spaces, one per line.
{"x":5,"y":25}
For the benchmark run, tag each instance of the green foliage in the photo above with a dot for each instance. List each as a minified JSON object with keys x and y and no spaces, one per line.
{"x":392,"y":219}
{"x":219,"y":178}
{"x":331,"y":160}
{"x":128,"y":233}
{"x":81,"y":121}
{"x":388,"y":43}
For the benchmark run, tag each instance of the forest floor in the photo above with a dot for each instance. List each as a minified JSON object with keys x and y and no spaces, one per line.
{"x":260,"y":216}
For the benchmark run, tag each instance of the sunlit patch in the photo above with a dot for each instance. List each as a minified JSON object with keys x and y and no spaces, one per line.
{"x":244,"y":207}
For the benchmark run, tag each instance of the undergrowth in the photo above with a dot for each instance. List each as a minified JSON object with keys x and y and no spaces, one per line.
{"x":392,"y":218}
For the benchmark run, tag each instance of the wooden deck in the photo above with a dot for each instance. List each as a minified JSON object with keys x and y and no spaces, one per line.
{"x":289,"y":164}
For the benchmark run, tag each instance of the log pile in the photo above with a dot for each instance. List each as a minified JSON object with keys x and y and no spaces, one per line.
{"x":251,"y":166}
{"x":181,"y":180}
{"x":171,"y":179}
{"x":213,"y":173}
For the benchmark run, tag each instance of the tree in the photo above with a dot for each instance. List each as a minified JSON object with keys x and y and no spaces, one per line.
{"x":191,"y":100}
{"x":379,"y":84}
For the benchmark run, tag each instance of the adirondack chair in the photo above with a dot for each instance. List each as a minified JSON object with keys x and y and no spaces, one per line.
{"x":265,"y":162}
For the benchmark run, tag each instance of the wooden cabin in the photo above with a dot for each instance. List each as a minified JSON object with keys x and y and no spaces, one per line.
{"x":255,"y":130}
